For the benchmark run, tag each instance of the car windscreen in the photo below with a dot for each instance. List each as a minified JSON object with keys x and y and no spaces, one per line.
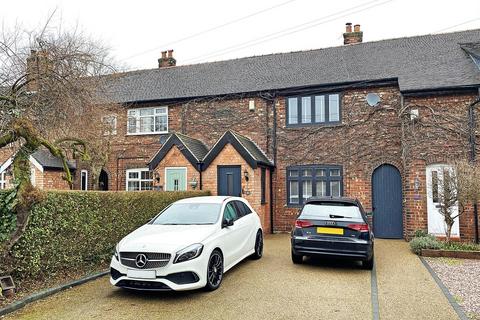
{"x":189,"y":213}
{"x":330,"y":210}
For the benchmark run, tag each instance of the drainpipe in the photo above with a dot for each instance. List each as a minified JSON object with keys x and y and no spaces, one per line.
{"x":271,"y":200}
{"x":473,"y":153}
{"x":199,"y":167}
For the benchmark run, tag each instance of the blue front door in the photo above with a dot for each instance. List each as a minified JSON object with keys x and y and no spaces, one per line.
{"x":229,"y":181}
{"x":387,"y":202}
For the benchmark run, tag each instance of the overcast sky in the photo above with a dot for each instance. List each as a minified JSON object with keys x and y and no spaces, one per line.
{"x":209,"y":30}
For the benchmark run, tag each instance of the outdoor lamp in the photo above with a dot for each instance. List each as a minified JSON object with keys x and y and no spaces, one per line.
{"x":193,"y":183}
{"x":245,"y":174}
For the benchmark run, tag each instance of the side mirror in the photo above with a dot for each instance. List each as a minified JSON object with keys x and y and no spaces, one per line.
{"x":227,"y":223}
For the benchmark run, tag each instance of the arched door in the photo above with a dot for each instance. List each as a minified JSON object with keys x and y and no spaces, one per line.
{"x":387,"y":202}
{"x":103,"y":181}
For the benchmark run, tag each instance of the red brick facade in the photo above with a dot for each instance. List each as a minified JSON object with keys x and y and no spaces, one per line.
{"x":366,"y":138}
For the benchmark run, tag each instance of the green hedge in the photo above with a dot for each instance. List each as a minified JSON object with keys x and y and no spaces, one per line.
{"x":78,"y":230}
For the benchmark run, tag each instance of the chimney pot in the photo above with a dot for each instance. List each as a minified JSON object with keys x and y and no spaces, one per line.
{"x":350,"y":37}
{"x":167,"y":59}
{"x":348,"y":27}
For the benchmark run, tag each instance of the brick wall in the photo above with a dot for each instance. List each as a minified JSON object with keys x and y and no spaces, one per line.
{"x":251,"y":189}
{"x":366,"y":138}
{"x":175,"y":159}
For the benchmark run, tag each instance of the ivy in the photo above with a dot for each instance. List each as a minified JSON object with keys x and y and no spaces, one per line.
{"x":8,"y":219}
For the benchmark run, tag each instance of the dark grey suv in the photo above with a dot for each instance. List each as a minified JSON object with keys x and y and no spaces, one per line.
{"x":333,"y":227}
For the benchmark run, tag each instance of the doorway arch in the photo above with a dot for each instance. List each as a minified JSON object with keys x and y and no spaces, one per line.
{"x":103,"y":181}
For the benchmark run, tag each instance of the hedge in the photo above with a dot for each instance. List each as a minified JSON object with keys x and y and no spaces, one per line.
{"x":75,"y":230}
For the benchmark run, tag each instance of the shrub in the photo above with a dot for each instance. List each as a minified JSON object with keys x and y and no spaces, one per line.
{"x":460,"y":246}
{"x":7,"y":219}
{"x":425,"y":242}
{"x":75,"y":230}
{"x":420,"y":233}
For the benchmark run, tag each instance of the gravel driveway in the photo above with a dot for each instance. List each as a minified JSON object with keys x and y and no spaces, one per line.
{"x":462,"y":278}
{"x":270,"y":288}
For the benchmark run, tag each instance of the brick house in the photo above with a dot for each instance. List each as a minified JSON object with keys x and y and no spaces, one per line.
{"x":46,"y":170}
{"x":375,"y":120}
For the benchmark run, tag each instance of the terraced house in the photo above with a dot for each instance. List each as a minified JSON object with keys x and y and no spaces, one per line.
{"x":372,"y":120}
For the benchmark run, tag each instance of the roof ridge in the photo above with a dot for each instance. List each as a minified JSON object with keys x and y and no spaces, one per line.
{"x":292,"y":52}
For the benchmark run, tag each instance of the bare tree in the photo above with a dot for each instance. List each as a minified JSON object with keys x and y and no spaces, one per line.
{"x":50,"y":82}
{"x":458,"y":188}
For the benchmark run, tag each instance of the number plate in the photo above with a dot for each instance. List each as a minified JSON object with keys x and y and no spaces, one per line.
{"x":141,"y":274}
{"x":330,"y":230}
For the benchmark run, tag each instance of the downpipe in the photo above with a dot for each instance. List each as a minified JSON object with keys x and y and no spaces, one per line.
{"x":473,"y":153}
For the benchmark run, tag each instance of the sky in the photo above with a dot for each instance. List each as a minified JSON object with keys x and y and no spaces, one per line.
{"x":211,"y":30}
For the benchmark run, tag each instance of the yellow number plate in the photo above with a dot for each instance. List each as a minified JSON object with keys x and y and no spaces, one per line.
{"x":330,"y":230}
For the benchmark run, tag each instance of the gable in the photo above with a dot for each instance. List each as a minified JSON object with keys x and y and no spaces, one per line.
{"x":174,"y":142}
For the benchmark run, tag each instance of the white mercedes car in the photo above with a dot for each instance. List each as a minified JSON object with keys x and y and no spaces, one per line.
{"x":189,"y":245}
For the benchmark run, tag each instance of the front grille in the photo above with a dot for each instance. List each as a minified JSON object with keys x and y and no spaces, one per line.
{"x":154,"y":259}
{"x":143,"y":285}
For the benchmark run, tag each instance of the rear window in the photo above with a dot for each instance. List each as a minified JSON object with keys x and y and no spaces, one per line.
{"x":330,"y":210}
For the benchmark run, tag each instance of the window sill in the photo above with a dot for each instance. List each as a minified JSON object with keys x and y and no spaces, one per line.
{"x":316,"y":125}
{"x":147,"y":133}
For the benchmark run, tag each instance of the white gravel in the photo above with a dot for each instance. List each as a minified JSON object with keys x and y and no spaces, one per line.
{"x":462,"y":278}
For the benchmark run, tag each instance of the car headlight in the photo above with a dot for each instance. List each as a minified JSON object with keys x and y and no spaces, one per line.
{"x":115,"y":253}
{"x":189,"y":253}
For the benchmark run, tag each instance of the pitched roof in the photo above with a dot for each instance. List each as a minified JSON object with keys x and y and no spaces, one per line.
{"x":47,"y":160}
{"x":248,"y":149}
{"x":197,"y":153}
{"x":193,"y":149}
{"x":253,"y":149}
{"x":196,"y":147}
{"x":419,"y":63}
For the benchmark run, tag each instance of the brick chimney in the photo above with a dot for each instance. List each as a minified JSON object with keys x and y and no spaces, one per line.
{"x":350,"y":37}
{"x":167,"y":59}
{"x":37,"y":67}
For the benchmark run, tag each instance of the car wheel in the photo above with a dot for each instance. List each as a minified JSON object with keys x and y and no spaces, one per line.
{"x":368,"y":264}
{"x":258,"y":246}
{"x":214,"y":271}
{"x":297,"y":259}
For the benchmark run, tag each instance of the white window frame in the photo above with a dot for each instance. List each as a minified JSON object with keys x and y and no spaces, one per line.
{"x":139,"y":171}
{"x":86,"y":180}
{"x":3,"y":180}
{"x":176,"y":168}
{"x":110,"y":127}
{"x":33,"y":176}
{"x":138,"y":117}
